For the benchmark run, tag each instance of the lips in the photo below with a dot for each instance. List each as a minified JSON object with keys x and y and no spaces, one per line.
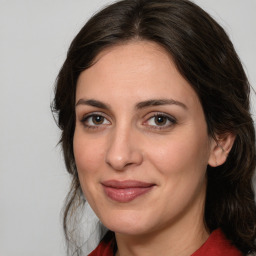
{"x":125,"y":191}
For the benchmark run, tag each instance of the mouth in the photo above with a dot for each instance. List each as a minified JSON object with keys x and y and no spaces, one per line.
{"x":126,"y":191}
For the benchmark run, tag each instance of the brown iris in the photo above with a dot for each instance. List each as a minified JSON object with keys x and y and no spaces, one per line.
{"x":97,"y":120}
{"x":160,"y":120}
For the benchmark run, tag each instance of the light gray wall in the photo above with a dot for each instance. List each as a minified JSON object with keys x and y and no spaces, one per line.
{"x":34,"y":37}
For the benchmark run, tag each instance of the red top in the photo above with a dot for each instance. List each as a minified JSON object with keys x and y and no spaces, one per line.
{"x":216,"y":245}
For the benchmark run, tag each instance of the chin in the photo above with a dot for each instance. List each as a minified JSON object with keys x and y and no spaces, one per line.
{"x":129,"y":223}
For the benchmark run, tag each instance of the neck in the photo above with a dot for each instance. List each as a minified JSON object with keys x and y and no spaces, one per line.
{"x":178,"y":245}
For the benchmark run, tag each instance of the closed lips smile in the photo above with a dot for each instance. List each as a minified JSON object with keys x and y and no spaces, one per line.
{"x":125,"y":191}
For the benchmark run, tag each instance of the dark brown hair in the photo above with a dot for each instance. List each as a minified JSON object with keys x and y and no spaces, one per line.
{"x":206,"y":58}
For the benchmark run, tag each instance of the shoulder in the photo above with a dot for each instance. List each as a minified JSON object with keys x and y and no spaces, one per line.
{"x":217,"y":245}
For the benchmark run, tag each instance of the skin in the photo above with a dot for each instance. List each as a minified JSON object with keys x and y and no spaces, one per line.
{"x":123,"y":141}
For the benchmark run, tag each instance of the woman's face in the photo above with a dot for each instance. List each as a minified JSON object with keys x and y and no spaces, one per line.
{"x":141,"y":145}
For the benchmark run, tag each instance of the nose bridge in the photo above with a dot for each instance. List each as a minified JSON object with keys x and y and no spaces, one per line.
{"x":123,"y":149}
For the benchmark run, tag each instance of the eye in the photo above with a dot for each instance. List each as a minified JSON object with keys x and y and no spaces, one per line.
{"x":160,"y":121}
{"x":94,"y":121}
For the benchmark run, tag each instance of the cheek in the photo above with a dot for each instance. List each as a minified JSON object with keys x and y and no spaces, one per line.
{"x":181,"y":155}
{"x":88,"y":157}
{"x":182,"y":165}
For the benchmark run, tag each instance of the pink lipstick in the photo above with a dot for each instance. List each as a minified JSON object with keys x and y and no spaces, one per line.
{"x":125,"y":191}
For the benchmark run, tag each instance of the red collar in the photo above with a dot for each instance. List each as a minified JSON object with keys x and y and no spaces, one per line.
{"x":216,"y":245}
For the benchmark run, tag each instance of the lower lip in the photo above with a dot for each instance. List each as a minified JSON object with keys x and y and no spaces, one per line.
{"x":124,"y":195}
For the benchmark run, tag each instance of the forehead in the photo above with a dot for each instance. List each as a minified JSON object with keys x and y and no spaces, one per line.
{"x":145,"y":55}
{"x":140,"y":69}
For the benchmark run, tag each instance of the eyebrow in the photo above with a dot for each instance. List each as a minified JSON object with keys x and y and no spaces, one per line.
{"x":94,"y":103}
{"x":159,"y":102}
{"x":140,"y":105}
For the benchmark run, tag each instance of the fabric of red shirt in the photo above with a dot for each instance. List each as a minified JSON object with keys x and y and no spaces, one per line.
{"x":216,"y":245}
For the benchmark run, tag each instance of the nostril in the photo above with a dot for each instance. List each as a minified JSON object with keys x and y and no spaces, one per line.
{"x":118,"y":163}
{"x":123,"y":162}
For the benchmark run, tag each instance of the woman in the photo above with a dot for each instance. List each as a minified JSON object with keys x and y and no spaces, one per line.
{"x":153,"y":104}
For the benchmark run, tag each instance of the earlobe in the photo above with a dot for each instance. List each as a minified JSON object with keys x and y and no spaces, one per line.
{"x":220,"y":149}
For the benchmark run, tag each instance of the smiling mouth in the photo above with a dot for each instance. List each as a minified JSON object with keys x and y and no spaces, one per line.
{"x":126,"y":191}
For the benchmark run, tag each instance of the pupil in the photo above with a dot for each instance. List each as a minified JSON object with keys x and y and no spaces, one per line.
{"x":160,"y":120}
{"x":98,"y":119}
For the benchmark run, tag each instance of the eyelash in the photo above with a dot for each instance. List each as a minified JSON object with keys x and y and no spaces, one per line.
{"x":94,"y":115}
{"x":172,"y":121}
{"x":169,"y":119}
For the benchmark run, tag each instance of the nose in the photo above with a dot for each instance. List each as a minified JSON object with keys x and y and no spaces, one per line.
{"x":123,"y":150}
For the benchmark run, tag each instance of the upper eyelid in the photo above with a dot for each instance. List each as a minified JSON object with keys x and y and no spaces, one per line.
{"x":159,"y":113}
{"x":87,"y":109}
{"x":95,"y":113}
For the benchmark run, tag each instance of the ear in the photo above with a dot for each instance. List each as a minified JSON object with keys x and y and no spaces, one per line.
{"x":220,"y":149}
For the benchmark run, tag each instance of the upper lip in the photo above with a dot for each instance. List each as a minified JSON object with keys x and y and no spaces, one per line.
{"x":126,"y":184}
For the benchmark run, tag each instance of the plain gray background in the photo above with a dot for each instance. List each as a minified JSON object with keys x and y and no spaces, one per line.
{"x":34,"y":38}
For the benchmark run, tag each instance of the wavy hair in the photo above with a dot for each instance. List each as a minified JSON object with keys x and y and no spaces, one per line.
{"x":206,"y":58}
